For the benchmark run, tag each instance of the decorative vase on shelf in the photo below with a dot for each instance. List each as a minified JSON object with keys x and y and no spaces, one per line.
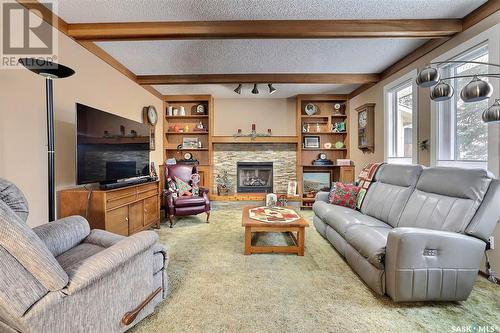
{"x":182,"y":111}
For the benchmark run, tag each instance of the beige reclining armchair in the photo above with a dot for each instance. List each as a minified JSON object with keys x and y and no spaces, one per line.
{"x":64,"y":277}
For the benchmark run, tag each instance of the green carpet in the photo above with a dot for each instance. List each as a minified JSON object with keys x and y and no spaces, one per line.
{"x":215,"y":288}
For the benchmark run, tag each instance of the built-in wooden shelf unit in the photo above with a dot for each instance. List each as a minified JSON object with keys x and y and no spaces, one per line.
{"x":324,"y":118}
{"x":327,"y":115}
{"x":191,"y":118}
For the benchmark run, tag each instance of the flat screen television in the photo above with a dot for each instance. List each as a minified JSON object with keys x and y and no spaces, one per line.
{"x":108,"y":147}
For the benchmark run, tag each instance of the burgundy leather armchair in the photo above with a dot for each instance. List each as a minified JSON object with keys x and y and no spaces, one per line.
{"x":185,"y":205}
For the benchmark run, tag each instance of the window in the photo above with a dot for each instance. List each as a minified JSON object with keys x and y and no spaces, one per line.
{"x":400,"y":114}
{"x":462,"y":136}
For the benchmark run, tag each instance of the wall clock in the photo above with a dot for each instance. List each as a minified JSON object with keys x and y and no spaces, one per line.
{"x":150,"y":117}
{"x":366,"y":127}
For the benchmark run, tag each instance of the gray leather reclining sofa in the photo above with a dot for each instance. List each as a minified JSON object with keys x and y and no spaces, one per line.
{"x":421,"y":232}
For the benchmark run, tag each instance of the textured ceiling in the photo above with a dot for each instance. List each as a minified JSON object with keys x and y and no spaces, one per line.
{"x":260,"y":56}
{"x":77,"y":11}
{"x":283,"y":90}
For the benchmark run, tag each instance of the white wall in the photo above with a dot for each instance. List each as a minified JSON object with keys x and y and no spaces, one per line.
{"x":278,"y":114}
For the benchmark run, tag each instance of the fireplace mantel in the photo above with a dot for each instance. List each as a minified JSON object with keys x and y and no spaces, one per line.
{"x":261,"y":139}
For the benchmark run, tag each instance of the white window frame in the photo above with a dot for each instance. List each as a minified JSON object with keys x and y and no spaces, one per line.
{"x":491,"y":37}
{"x":388,"y":118}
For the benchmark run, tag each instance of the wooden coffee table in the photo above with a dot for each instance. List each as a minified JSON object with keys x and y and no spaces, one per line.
{"x":251,"y":226}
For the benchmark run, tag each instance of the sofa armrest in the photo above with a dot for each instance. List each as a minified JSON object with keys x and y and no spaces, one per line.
{"x":98,"y":266}
{"x":64,"y":234}
{"x":423,"y":264}
{"x":103,"y":238}
{"x":323,"y":196}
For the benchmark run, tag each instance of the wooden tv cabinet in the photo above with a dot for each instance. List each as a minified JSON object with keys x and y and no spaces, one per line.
{"x":122,"y":211}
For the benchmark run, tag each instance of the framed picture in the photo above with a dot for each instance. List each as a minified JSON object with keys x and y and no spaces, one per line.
{"x":311,"y":142}
{"x":292,"y":188}
{"x":189,"y":143}
{"x":316,"y":181}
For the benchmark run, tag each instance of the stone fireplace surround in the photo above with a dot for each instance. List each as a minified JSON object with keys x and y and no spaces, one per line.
{"x":282,"y":155}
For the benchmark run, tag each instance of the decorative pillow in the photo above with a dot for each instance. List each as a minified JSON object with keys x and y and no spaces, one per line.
{"x":365,"y":180}
{"x":183,"y":187}
{"x":345,"y":195}
{"x":332,"y":192}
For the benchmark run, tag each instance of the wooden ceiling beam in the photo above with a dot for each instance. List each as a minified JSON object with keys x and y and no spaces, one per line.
{"x":474,"y":17}
{"x":480,"y":13}
{"x":272,"y":29}
{"x":299,"y":78}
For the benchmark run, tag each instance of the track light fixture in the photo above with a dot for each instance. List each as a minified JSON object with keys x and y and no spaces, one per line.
{"x":476,"y":90}
{"x":255,"y":91}
{"x":238,"y":89}
{"x":272,"y":90}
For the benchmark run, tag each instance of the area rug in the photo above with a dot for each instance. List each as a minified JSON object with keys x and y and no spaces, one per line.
{"x":215,"y":288}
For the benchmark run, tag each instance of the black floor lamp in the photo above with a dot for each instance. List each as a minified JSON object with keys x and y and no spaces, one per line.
{"x":50,"y":71}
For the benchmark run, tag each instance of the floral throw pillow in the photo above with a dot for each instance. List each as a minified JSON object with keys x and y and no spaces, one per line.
{"x":345,"y":195}
{"x":183,"y":187}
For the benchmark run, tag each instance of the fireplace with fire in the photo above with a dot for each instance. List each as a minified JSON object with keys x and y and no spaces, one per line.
{"x":254,"y":177}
